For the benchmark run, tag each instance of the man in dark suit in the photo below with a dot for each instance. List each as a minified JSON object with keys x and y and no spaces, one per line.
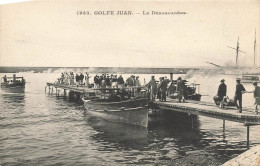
{"x":238,"y":95}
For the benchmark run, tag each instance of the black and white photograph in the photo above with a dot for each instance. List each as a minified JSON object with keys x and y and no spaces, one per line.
{"x":114,"y":83}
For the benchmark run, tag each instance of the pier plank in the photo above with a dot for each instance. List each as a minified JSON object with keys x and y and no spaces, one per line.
{"x":247,"y":117}
{"x":75,"y":88}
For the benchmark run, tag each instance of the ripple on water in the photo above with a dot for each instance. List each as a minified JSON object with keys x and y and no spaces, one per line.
{"x":39,"y":129}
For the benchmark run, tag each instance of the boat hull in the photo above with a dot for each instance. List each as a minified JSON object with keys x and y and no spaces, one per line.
{"x":103,"y":105}
{"x":119,"y":112}
{"x":13,"y":89}
{"x":249,"y":81}
{"x":12,"y":85}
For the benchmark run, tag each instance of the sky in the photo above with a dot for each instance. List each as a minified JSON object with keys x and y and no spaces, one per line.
{"x":50,"y":33}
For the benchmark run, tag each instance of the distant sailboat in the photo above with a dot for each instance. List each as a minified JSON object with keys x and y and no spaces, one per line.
{"x":255,"y":50}
{"x":250,"y":77}
{"x":238,"y":70}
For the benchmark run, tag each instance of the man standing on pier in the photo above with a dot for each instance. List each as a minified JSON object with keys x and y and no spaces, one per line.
{"x":163,"y":88}
{"x":87,"y":77}
{"x":222,"y":91}
{"x":153,"y":88}
{"x":256,"y":92}
{"x":181,"y":89}
{"x":238,"y":95}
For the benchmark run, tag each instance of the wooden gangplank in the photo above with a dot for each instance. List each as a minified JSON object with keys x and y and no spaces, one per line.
{"x":75,"y":88}
{"x":247,"y":117}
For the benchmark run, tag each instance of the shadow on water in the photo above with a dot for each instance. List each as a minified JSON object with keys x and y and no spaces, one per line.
{"x":13,"y":96}
{"x":175,"y":136}
{"x":178,"y":129}
{"x":122,"y":135}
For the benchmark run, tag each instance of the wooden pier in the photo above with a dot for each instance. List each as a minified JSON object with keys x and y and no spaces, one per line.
{"x":75,"y":88}
{"x":74,"y":92}
{"x":247,"y":117}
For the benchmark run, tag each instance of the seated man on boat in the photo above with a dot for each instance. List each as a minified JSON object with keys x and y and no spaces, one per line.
{"x":108,"y":82}
{"x":120,"y":82}
{"x":114,"y":81}
{"x":62,"y":78}
{"x":130,"y":83}
{"x":138,"y":87}
{"x":96,"y":81}
{"x":256,"y":92}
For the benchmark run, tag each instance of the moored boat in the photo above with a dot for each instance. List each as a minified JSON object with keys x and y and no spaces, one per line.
{"x":11,"y":82}
{"x":111,"y":105}
{"x":249,"y":78}
{"x":191,"y":92}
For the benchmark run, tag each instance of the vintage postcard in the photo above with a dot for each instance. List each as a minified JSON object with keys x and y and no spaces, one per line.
{"x":129,"y":82}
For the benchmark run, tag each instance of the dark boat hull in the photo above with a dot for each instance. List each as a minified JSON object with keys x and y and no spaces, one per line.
{"x":129,"y":112}
{"x":103,"y":105}
{"x":13,"y":88}
{"x":12,"y":85}
{"x":249,"y":81}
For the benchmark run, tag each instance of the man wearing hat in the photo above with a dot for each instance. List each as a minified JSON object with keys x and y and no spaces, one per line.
{"x":222,"y":90}
{"x":256,"y":92}
{"x":152,"y":87}
{"x":181,"y":88}
{"x":238,"y":95}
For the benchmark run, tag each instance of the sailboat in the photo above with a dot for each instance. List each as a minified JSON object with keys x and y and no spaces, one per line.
{"x":252,"y":76}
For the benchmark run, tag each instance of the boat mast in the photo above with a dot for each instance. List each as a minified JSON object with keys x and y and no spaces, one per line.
{"x":237,"y":50}
{"x":254,"y":48}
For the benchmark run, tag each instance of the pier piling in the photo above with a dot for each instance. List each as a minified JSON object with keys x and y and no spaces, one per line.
{"x":247,"y":136}
{"x":224,"y":125}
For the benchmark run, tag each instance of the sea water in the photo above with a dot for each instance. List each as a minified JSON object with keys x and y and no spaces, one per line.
{"x":40,"y":129}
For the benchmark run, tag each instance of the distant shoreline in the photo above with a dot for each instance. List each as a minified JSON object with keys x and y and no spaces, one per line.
{"x":125,"y":70}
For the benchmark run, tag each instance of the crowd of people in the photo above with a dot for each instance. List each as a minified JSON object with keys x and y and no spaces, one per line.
{"x":114,"y":81}
{"x":159,"y":89}
{"x":71,"y":79}
{"x":222,"y":92}
{"x":166,"y":87}
{"x":156,"y":89}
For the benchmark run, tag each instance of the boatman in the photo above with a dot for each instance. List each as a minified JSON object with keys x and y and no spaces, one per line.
{"x":256,"y":92}
{"x":120,"y":82}
{"x":238,"y":95}
{"x":96,"y":81}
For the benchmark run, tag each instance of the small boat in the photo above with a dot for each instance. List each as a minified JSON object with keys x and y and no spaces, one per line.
{"x":10,"y":82}
{"x":249,"y":78}
{"x":191,"y":90}
{"x":111,"y":105}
